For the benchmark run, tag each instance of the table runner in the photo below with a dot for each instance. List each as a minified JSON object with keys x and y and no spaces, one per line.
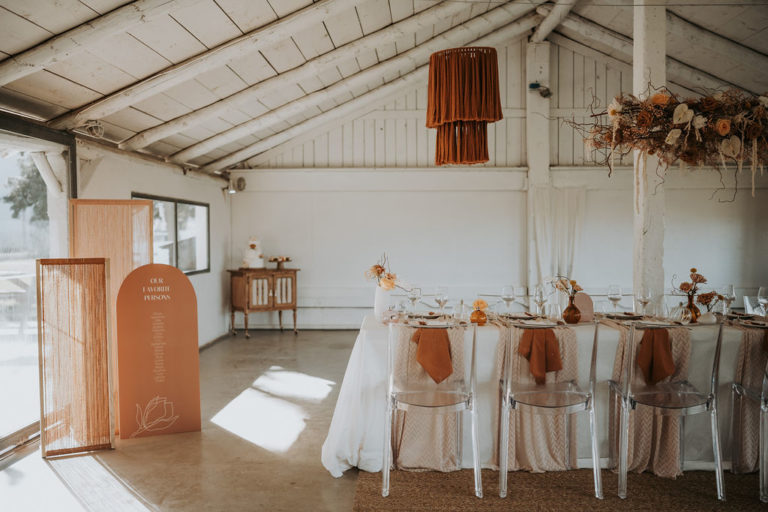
{"x":537,"y":442}
{"x":749,"y":373}
{"x":654,"y":443}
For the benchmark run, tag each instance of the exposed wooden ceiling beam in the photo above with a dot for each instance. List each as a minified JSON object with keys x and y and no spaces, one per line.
{"x":418,"y":77}
{"x":68,"y":43}
{"x":686,"y":75}
{"x":556,"y":15}
{"x":682,"y":74}
{"x":265,"y":88}
{"x":457,"y":36}
{"x":251,"y":42}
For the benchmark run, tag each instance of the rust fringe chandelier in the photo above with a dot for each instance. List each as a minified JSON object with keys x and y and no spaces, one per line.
{"x":463,"y":97}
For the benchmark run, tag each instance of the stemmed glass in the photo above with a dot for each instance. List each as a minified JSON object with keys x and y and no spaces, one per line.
{"x":729,"y":295}
{"x":414,"y":294}
{"x":614,"y":295}
{"x":643,"y":297}
{"x":540,"y":298}
{"x":762,"y":298}
{"x":441,"y":297}
{"x":508,"y":295}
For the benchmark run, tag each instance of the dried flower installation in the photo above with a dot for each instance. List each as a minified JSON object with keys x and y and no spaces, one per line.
{"x":463,"y":97}
{"x":714,"y":130}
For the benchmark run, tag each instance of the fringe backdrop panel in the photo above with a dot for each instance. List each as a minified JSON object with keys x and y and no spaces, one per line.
{"x":120,"y":230}
{"x":73,"y":340}
{"x":463,"y":96}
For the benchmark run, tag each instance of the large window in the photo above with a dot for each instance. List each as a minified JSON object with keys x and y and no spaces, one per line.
{"x":180,"y":233}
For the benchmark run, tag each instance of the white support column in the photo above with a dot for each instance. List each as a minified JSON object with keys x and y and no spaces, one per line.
{"x":537,"y":113}
{"x":649,"y":59}
{"x":53,"y":169}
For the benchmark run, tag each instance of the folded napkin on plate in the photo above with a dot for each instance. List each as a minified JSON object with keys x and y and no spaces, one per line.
{"x":434,"y":352}
{"x":542,"y":350}
{"x":654,"y":357}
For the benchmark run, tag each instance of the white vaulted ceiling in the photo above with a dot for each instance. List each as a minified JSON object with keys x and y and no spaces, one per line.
{"x":214,"y":83}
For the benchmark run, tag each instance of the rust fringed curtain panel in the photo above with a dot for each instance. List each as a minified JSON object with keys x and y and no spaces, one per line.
{"x":463,"y":97}
{"x":75,"y":407}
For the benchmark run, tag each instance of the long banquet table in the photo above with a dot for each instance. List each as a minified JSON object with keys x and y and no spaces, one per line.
{"x":355,"y":437}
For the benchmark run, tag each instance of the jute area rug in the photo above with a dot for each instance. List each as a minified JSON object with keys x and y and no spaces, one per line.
{"x":568,"y":491}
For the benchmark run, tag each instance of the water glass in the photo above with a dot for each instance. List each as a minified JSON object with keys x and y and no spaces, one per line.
{"x":508,"y":295}
{"x":762,"y":299}
{"x":729,"y":295}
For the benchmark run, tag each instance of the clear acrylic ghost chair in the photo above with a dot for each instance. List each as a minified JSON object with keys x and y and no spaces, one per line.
{"x":673,"y":398}
{"x":552,"y":399}
{"x":453,"y":395}
{"x":759,"y":395}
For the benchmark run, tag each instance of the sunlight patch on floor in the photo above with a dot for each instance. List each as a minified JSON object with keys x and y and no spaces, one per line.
{"x":290,"y":384}
{"x":30,"y":484}
{"x":266,"y":421}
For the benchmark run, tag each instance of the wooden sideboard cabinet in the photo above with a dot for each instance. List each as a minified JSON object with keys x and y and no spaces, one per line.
{"x":263,"y":289}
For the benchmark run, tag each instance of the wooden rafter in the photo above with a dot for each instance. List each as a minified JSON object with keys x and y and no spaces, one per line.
{"x":251,"y":42}
{"x":416,"y":56}
{"x":503,"y":35}
{"x":265,"y":88}
{"x":87,"y":34}
{"x":682,"y":74}
{"x":556,"y":15}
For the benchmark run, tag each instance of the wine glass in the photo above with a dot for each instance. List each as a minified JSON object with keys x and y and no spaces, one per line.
{"x":540,"y":298}
{"x":685,"y":316}
{"x":414,"y":294}
{"x":762,"y":298}
{"x":729,"y":295}
{"x":508,"y":295}
{"x":614,"y":295}
{"x":441,"y":297}
{"x":643,"y":297}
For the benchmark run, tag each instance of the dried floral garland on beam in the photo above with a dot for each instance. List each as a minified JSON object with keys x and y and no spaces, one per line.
{"x":714,"y":130}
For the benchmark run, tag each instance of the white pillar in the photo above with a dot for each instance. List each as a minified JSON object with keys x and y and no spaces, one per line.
{"x":53,"y":168}
{"x":648,"y":66}
{"x":537,"y":113}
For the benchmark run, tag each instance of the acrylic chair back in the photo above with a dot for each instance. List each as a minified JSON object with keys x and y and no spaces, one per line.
{"x":411,"y":388}
{"x":690,"y":391}
{"x":549,"y":399}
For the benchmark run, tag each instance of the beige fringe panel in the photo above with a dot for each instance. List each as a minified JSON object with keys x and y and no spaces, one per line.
{"x":75,"y":409}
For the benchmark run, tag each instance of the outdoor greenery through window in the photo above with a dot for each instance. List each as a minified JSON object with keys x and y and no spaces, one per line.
{"x":180,"y":233}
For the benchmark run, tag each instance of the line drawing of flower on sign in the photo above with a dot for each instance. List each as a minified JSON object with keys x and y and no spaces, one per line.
{"x":157,"y":415}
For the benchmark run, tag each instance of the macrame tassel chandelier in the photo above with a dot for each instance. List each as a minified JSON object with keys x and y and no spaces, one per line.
{"x":463,"y":97}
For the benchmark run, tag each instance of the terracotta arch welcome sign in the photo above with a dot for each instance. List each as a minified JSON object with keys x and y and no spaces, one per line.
{"x":158,"y":362}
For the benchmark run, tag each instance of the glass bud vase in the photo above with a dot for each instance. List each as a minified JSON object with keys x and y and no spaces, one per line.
{"x":695,"y":313}
{"x":571,"y":314}
{"x":478,"y":317}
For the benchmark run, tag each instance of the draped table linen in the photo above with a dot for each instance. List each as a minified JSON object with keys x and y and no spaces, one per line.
{"x":355,"y":435}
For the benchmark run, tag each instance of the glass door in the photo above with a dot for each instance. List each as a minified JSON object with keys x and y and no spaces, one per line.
{"x":25,"y":235}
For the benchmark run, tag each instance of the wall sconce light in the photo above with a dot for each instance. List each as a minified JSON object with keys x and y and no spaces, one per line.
{"x":543,"y":91}
{"x":229,"y":189}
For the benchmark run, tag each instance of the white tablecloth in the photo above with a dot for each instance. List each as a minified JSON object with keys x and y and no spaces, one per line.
{"x":355,"y":437}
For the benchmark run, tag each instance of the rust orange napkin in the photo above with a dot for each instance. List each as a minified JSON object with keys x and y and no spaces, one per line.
{"x":434,"y":352}
{"x":654,"y":357}
{"x":541,"y":349}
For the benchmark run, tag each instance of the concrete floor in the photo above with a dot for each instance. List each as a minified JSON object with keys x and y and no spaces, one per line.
{"x":266,"y":406}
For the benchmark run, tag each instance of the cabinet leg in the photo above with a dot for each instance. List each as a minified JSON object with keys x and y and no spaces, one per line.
{"x":280,"y":319}
{"x":245,"y":320}
{"x":232,"y":324}
{"x":295,"y":331}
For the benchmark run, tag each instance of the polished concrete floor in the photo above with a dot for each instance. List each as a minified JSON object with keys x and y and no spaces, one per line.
{"x":266,"y":401}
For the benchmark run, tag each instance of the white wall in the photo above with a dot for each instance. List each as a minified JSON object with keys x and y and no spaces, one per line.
{"x":453,"y":228}
{"x":104,"y":174}
{"x":466,"y":229}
